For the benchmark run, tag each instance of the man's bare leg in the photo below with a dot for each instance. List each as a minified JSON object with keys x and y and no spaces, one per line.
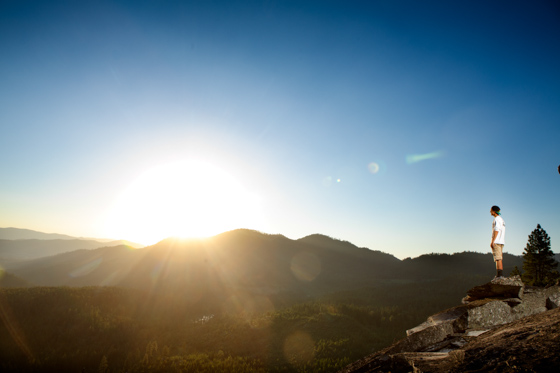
{"x":499,"y":268}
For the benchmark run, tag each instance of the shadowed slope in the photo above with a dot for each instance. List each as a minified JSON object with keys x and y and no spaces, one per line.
{"x":103,"y":266}
{"x":240,"y":259}
{"x":250,"y":261}
{"x":258,"y":263}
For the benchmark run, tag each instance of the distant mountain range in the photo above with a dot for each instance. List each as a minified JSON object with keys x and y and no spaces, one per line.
{"x":27,"y":234}
{"x":241,"y":259}
{"x":23,"y":244}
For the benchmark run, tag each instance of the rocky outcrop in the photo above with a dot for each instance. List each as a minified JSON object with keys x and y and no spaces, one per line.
{"x":445,"y":338}
{"x":505,"y":288}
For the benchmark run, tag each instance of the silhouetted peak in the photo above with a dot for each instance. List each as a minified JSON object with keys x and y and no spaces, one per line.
{"x":323,"y":240}
{"x":326,"y":242}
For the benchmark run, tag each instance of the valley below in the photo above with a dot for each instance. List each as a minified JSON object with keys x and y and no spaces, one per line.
{"x":241,"y":301}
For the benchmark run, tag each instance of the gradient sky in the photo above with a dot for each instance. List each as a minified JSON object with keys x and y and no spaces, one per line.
{"x":394,"y":125}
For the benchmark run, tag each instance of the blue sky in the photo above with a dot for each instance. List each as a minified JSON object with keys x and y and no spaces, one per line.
{"x":392,"y":125}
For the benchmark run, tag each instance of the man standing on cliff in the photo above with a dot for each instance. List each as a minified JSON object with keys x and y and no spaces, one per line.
{"x":498,"y":240}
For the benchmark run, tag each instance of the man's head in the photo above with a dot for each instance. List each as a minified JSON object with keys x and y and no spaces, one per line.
{"x":495,"y":211}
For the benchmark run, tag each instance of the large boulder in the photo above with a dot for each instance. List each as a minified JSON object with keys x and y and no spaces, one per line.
{"x":524,"y":309}
{"x":420,"y":340}
{"x":455,"y":317}
{"x":505,"y":288}
{"x":488,"y":313}
{"x":477,"y":315}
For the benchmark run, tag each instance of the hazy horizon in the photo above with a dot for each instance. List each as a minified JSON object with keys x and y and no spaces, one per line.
{"x":392,"y":125}
{"x":204,"y":239}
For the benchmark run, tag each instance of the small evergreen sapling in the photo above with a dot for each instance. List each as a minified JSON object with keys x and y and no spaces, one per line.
{"x":516,"y":272}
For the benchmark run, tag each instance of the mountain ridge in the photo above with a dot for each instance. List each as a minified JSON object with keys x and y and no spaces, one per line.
{"x":16,"y":234}
{"x":248,"y":259}
{"x":12,"y":233}
{"x":29,"y":249}
{"x":242,"y":258}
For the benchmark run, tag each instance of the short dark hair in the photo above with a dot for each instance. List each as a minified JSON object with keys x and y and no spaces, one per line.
{"x":495,"y":209}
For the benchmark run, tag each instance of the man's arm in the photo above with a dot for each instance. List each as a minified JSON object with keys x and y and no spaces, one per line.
{"x":494,"y":235}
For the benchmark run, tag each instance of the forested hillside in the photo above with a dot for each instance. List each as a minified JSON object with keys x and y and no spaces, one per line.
{"x":70,"y":329}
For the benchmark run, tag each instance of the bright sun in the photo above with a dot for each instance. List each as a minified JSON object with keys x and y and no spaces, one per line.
{"x":185,"y":199}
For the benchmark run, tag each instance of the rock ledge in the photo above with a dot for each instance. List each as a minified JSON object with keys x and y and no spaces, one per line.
{"x":442,"y":338}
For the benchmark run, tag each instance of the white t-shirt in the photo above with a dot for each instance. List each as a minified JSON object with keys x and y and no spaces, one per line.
{"x":498,"y":225}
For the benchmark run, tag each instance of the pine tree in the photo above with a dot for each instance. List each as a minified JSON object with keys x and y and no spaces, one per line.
{"x":538,"y":259}
{"x":516,"y":272}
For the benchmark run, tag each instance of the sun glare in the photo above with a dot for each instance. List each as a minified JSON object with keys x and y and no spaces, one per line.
{"x":188,"y":199}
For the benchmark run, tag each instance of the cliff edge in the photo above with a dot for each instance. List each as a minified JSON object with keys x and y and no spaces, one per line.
{"x":500,"y":326}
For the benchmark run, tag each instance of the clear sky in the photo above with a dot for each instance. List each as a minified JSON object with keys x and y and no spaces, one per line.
{"x":394,"y":125}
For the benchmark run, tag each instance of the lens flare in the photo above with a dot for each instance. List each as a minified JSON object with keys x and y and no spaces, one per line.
{"x":376,"y":167}
{"x":299,"y":348}
{"x":305,"y":266}
{"x":111,"y":279}
{"x":415,"y":158}
{"x":329,"y":180}
{"x":373,"y":167}
{"x":248,"y":304}
{"x":156,"y":273}
{"x":86,"y":268}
